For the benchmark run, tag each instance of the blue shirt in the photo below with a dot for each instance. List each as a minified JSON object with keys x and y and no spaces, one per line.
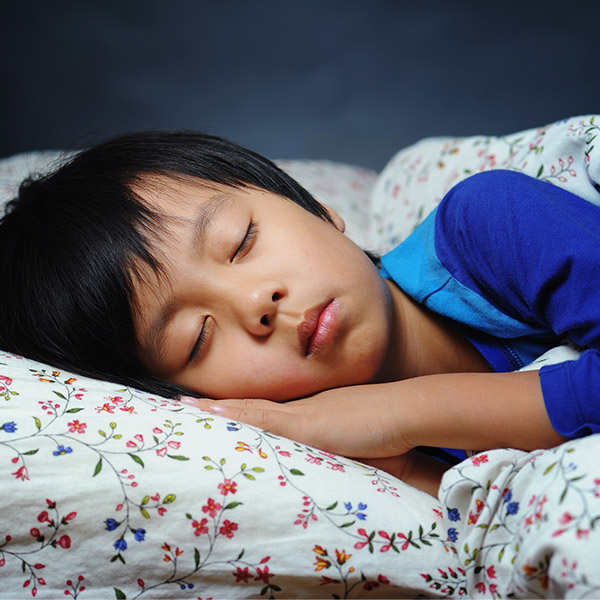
{"x":516,"y":262}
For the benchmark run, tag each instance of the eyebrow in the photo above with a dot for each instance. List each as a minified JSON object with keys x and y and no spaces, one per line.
{"x":203,"y":217}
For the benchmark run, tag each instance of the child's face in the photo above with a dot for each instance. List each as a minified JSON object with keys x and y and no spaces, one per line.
{"x":261,"y":298}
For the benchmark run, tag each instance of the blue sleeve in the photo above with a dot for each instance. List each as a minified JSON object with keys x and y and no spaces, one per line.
{"x":533,"y":250}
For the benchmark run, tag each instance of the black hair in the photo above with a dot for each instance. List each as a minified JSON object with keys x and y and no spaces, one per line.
{"x":72,"y":242}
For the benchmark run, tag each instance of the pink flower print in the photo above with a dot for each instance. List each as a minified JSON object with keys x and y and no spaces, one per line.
{"x":472,"y":518}
{"x":106,"y":407}
{"x":6,"y":380}
{"x":385,"y":536}
{"x":227,"y":486}
{"x":174,"y":445}
{"x":406,"y":543}
{"x":131,"y":444}
{"x":336,"y":467}
{"x":76,"y":426}
{"x":139,"y":437}
{"x":211,"y":507}
{"x":161,"y":451}
{"x":161,"y":511}
{"x":582,"y":534}
{"x":360,"y":545}
{"x":200,"y":527}
{"x":566,"y":517}
{"x":116,"y":399}
{"x":128,"y":409}
{"x":22,"y":474}
{"x":157,"y":431}
{"x":228,"y":528}
{"x":313,"y":459}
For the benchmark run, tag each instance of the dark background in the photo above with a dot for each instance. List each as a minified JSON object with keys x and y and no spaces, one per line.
{"x":349,"y":80}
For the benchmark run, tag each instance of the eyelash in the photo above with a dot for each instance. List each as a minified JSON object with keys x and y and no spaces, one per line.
{"x":244,"y":245}
{"x":199,"y":342}
{"x":248,"y":239}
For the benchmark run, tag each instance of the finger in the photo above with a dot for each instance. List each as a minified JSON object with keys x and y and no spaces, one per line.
{"x":260,"y":413}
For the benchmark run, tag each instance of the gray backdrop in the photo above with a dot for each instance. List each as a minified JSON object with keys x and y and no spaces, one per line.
{"x":350,"y":80}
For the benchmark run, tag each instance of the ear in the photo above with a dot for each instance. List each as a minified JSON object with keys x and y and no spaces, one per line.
{"x":336,"y":219}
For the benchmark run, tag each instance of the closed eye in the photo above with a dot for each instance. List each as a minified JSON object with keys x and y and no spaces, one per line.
{"x":246,"y":243}
{"x":202,"y":338}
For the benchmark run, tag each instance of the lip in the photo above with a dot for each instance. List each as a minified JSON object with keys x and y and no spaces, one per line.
{"x":318,"y":327}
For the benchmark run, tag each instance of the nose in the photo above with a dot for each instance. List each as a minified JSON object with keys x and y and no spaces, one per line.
{"x":258,"y":303}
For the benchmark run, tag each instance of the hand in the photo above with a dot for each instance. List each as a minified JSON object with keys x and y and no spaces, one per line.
{"x":358,"y":421}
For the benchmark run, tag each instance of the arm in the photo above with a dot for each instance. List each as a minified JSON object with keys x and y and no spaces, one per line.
{"x":459,"y":410}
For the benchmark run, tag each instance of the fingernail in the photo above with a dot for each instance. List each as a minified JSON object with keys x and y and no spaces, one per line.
{"x":188,"y":400}
{"x":217,"y":409}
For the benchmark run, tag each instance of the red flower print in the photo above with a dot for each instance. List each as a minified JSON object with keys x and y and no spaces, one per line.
{"x":64,"y":542}
{"x":131,"y":444}
{"x":472,"y":518}
{"x":479,"y":459}
{"x":565,"y":518}
{"x":161,"y":451}
{"x":383,"y":579}
{"x":77,"y":426}
{"x":106,"y":407}
{"x":211,"y":508}
{"x":200,"y":527}
{"x":174,"y":445}
{"x":241,"y":575}
{"x":263,"y":575}
{"x":22,"y":474}
{"x":69,"y":517}
{"x":491,"y":572}
{"x":228,"y":528}
{"x":43,"y":517}
{"x":71,"y":380}
{"x":157,"y":430}
{"x":227,"y":486}
{"x":35,"y":532}
{"x":161,"y":511}
{"x":139,"y":437}
{"x":128,"y":409}
{"x":480,"y":587}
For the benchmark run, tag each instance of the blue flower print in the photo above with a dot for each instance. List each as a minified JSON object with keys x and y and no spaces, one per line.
{"x":139,"y":535}
{"x":9,"y":427}
{"x":348,"y":505}
{"x":512,"y":508}
{"x":361,"y":516}
{"x":120,"y":545}
{"x":61,"y":450}
{"x":453,"y":514}
{"x":508,"y":496}
{"x":233,"y":426}
{"x":111,"y":524}
{"x":361,"y":506}
{"x":452,"y":534}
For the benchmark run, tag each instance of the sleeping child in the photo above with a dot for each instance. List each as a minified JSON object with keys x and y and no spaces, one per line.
{"x":184,"y":265}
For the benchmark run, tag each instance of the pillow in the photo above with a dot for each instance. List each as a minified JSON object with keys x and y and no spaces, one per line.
{"x":110,"y":492}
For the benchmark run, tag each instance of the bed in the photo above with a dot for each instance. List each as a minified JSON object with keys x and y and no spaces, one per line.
{"x":108,"y":492}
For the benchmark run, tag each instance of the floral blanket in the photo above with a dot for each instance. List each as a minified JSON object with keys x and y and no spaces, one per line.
{"x":108,"y":492}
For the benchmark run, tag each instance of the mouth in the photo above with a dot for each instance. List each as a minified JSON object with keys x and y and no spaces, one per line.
{"x":318,"y":327}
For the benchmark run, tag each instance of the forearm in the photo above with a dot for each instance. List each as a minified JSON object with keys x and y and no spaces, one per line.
{"x":474,"y":411}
